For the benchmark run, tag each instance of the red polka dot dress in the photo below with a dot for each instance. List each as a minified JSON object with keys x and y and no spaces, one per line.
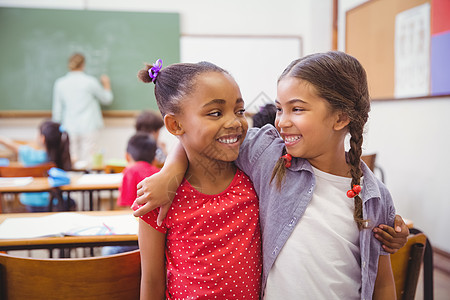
{"x":213,"y":243}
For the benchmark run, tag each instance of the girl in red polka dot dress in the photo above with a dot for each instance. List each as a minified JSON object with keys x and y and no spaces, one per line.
{"x":209,"y":245}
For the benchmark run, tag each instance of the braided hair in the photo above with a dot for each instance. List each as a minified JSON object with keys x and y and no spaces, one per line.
{"x":341,"y":80}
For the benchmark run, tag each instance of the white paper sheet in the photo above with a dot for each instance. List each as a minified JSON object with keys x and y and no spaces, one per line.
{"x":60,"y":224}
{"x":100,"y":178}
{"x":15,"y":181}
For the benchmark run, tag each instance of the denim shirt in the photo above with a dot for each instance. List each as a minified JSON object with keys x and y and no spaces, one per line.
{"x":281,"y":209}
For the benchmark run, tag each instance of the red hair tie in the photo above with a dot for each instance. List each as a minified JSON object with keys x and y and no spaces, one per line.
{"x":287,"y":160}
{"x":354,"y":191}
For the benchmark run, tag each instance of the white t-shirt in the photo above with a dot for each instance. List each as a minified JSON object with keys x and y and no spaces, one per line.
{"x":321,"y":259}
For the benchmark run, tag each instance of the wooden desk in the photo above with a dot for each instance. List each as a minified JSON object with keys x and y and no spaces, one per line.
{"x":39,"y":184}
{"x":66,"y":241}
{"x":90,"y":187}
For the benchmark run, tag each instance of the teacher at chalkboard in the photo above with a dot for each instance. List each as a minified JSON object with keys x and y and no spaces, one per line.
{"x":76,"y":105}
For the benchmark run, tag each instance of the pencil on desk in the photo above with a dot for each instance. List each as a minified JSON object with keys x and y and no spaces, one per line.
{"x":109,"y":229}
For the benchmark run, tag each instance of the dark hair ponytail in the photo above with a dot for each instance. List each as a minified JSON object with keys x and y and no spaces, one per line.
{"x":341,"y":80}
{"x":57,"y":144}
{"x":174,"y":82}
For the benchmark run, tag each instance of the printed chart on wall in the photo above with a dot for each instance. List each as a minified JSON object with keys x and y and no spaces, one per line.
{"x":255,"y":62}
{"x":405,"y":53}
{"x":412,"y":52}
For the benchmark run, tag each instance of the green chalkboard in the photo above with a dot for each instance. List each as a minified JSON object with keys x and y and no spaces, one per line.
{"x":36,"y":45}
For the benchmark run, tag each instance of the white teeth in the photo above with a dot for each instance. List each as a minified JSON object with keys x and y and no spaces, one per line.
{"x":291,"y":139}
{"x":228,"y":140}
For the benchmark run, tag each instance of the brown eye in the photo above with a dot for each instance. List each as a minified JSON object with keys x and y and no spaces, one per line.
{"x":240,"y":112}
{"x":215,"y":114}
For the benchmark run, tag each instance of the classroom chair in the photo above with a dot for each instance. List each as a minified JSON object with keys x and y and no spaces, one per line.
{"x":406,"y":264}
{"x":17,"y":170}
{"x":21,"y":171}
{"x":98,"y":278}
{"x":110,"y":169}
{"x":369,"y":159}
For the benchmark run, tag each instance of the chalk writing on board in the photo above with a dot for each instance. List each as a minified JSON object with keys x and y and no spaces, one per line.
{"x":96,"y":58}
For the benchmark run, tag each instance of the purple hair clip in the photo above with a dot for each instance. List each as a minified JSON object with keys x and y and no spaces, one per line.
{"x":154,"y":71}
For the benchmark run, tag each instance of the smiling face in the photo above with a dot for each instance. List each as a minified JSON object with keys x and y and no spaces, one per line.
{"x":212,"y":119}
{"x":309,"y":127}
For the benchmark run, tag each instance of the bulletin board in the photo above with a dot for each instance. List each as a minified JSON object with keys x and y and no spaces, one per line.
{"x":36,"y":45}
{"x":387,"y":37}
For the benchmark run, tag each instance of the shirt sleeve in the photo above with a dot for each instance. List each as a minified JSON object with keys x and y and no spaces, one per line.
{"x":255,"y":143}
{"x":29,"y":156}
{"x":151,"y":217}
{"x":57,"y":105}
{"x":128,"y":189}
{"x":390,"y":212}
{"x":104,"y":96}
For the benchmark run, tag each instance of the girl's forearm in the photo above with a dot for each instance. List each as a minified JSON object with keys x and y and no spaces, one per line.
{"x":159,"y":189}
{"x":9,"y":144}
{"x":384,"y":284}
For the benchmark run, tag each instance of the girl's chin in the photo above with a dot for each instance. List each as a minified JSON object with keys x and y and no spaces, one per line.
{"x":293,"y":152}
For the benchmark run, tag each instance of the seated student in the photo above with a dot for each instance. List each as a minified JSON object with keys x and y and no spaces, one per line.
{"x":151,"y":122}
{"x":52,"y":145}
{"x":266,"y":115}
{"x":140,"y":155}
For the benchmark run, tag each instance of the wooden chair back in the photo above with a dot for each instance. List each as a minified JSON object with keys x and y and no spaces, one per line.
{"x":21,"y":171}
{"x":370,"y":160}
{"x":406,"y":263}
{"x":100,"y":278}
{"x":110,"y":169}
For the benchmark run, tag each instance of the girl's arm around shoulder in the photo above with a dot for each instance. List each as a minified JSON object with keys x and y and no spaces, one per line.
{"x":159,"y":189}
{"x":393,"y":234}
{"x":256,"y":142}
{"x":392,"y":238}
{"x":384,"y":284}
{"x":151,"y":245}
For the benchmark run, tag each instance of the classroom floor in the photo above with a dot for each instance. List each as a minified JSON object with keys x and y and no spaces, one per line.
{"x":441,"y":279}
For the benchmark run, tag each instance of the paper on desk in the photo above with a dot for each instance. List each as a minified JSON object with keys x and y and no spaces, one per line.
{"x":15,"y":181}
{"x":60,"y":224}
{"x":100,"y":178}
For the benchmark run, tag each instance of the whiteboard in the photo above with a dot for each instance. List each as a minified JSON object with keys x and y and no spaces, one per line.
{"x":255,"y":62}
